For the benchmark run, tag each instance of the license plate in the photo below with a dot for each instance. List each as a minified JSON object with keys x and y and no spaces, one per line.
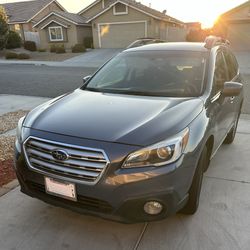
{"x":61,"y":189}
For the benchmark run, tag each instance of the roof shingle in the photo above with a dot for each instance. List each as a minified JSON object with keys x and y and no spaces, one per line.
{"x":73,"y":17}
{"x":23,"y":11}
{"x":139,"y":6}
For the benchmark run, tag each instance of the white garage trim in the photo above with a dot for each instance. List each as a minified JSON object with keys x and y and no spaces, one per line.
{"x":130,"y":22}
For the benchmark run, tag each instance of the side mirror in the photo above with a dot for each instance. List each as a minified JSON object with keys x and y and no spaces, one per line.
{"x":232,"y":89}
{"x":85,"y":79}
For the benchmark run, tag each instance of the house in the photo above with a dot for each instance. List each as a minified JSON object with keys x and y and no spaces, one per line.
{"x":235,"y":26}
{"x":111,"y":23}
{"x":117,"y":23}
{"x":194,"y":26}
{"x":65,"y":28}
{"x":23,"y":15}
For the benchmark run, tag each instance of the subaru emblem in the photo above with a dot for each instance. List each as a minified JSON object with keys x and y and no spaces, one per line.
{"x":60,"y":155}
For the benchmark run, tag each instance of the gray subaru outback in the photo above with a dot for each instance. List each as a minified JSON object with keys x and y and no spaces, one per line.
{"x":133,"y":142}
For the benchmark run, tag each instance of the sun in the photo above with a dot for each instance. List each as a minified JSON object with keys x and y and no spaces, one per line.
{"x":209,"y":19}
{"x":208,"y":23}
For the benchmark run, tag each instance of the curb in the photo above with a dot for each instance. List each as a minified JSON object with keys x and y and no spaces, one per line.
{"x":8,"y":187}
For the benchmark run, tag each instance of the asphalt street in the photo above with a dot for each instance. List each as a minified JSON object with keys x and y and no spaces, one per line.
{"x":43,"y":81}
{"x":48,"y":81}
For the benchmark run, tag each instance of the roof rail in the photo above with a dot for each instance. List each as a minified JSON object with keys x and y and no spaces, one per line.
{"x":212,"y":41}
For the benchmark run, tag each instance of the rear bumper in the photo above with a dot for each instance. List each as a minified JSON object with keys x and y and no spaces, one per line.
{"x":119,"y":195}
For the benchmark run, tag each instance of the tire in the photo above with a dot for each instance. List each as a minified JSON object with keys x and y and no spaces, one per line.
{"x":231,"y":135}
{"x":195,"y":189}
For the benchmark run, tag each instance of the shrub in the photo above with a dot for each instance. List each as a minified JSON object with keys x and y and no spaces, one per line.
{"x":3,"y":28}
{"x":78,"y":48}
{"x":41,"y":50}
{"x":13,"y":40}
{"x":53,"y":48}
{"x":23,"y":56}
{"x":88,"y":42}
{"x":30,"y":45}
{"x":60,"y":49}
{"x":11,"y":55}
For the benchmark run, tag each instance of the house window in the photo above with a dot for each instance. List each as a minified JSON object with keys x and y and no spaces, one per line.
{"x":56,"y":33}
{"x":120,"y":9}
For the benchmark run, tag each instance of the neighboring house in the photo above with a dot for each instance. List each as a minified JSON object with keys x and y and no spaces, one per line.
{"x":23,"y":15}
{"x":194,"y":26}
{"x":117,"y":23}
{"x":111,"y":23}
{"x":235,"y":26}
{"x":65,"y":28}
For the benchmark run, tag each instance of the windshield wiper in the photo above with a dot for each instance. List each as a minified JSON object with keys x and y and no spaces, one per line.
{"x":93,"y":89}
{"x":134,"y":92}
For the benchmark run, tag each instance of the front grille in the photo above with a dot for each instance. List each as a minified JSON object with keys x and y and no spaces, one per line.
{"x":82,"y":201}
{"x":82,"y":164}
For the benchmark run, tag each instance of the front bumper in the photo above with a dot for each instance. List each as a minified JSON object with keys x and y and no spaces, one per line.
{"x":121,"y":193}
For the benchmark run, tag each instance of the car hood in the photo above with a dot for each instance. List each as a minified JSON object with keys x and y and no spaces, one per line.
{"x":134,"y":120}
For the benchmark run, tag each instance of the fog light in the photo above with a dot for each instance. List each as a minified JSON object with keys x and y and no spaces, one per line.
{"x":153,"y":207}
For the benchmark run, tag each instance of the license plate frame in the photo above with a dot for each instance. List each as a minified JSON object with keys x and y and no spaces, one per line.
{"x":62,"y":189}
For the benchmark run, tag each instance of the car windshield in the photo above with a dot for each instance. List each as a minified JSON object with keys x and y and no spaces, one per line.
{"x":152,"y":73}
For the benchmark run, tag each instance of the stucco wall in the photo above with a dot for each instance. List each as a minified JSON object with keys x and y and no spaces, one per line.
{"x":239,"y":35}
{"x":93,"y":10}
{"x":82,"y":32}
{"x":52,"y":7}
{"x":155,"y":27}
{"x":69,"y":35}
{"x":240,"y":13}
{"x":24,"y":27}
{"x":236,"y":27}
{"x":109,"y":17}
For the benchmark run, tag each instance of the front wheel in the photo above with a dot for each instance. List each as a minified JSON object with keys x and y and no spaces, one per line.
{"x":195,"y":189}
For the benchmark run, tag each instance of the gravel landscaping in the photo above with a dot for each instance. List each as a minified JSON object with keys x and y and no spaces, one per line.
{"x":8,"y":122}
{"x":41,"y":56}
{"x":7,"y":173}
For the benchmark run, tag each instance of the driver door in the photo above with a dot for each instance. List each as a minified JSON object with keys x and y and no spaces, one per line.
{"x":221,"y":107}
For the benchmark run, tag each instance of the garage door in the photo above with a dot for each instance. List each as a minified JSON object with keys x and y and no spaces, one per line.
{"x":120,"y":35}
{"x":239,"y":36}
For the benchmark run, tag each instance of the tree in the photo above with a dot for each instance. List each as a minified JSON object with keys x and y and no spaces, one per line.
{"x":3,"y":28}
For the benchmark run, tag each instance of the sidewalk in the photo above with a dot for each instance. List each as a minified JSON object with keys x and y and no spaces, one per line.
{"x":91,"y":59}
{"x":11,"y":103}
{"x":23,"y":62}
{"x":222,"y":221}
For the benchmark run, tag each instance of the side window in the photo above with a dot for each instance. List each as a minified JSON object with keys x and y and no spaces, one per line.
{"x":220,"y":73}
{"x":232,"y":65}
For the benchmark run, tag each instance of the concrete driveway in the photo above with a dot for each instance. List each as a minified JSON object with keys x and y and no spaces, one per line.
{"x":222,"y":221}
{"x":93,"y":58}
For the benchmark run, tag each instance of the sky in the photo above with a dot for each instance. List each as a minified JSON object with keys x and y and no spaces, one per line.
{"x":204,"y":11}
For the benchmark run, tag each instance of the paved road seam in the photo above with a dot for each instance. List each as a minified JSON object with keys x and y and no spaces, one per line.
{"x":224,"y":179}
{"x":141,"y":236}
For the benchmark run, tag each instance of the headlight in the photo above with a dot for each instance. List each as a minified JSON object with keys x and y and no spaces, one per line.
{"x":159,"y":154}
{"x":19,"y":130}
